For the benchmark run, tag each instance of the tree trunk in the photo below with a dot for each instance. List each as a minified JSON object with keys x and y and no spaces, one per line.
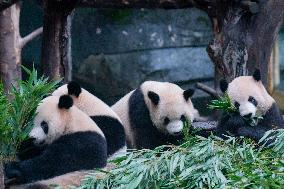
{"x":56,"y":45}
{"x":1,"y":176}
{"x":244,"y":36}
{"x":11,"y":44}
{"x":10,"y":52}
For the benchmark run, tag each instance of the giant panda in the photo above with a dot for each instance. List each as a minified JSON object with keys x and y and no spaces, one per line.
{"x":250,"y":97}
{"x":107,"y":120}
{"x":154,"y":114}
{"x":74,"y":143}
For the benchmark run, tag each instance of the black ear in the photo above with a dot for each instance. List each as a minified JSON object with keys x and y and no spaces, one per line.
{"x":188,"y":93}
{"x":154,"y":97}
{"x":65,"y":101}
{"x":223,"y":85}
{"x":256,"y":75}
{"x":74,"y":88}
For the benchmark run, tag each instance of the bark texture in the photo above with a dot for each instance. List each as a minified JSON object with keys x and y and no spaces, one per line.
{"x":10,"y":52}
{"x":56,"y":45}
{"x":11,"y":44}
{"x":243,"y":36}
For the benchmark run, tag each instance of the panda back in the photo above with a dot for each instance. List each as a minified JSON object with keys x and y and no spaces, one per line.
{"x":113,"y":131}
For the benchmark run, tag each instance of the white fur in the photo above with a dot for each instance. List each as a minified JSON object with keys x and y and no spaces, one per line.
{"x":60,"y":121}
{"x":38,"y":134}
{"x":88,"y":103}
{"x":242,"y":87}
{"x":172,"y":105}
{"x":247,"y":108}
{"x":175,"y":127}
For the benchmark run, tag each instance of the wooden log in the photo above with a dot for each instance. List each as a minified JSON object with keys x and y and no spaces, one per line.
{"x":150,"y":4}
{"x":207,"y":125}
{"x":207,"y":89}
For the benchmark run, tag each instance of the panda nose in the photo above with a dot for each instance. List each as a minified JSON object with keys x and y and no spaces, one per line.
{"x":248,"y":115}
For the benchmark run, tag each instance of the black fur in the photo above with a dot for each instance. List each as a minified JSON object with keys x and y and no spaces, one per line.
{"x":38,"y":186}
{"x":188,"y":93}
{"x":65,"y":101}
{"x":154,"y":97}
{"x":113,"y":131}
{"x":73,"y":152}
{"x":236,"y":125}
{"x":256,"y":75}
{"x":223,"y":85}
{"x":145,"y":133}
{"x":74,"y":88}
{"x":28,"y":150}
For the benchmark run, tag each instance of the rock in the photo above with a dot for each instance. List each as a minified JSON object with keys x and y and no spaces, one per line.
{"x":112,"y":76}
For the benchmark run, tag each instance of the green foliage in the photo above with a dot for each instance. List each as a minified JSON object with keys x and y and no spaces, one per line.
{"x":16,"y":115}
{"x":223,"y":103}
{"x":186,"y":129}
{"x":198,"y":163}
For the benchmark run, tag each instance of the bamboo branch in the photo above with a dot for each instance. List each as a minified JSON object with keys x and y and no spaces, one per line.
{"x":208,"y":90}
{"x":30,"y":37}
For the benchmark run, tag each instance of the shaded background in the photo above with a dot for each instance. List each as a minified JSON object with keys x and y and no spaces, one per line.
{"x":113,"y":51}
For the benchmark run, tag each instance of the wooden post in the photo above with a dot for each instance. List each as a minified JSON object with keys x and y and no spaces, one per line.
{"x":56,"y":44}
{"x":11,"y":44}
{"x":10,"y":53}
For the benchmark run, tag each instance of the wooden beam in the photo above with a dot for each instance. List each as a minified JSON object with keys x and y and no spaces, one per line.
{"x":6,"y":4}
{"x":151,"y":4}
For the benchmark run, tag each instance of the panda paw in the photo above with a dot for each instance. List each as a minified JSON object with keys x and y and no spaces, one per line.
{"x":12,"y":172}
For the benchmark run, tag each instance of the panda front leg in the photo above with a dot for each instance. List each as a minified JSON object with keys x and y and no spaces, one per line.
{"x":73,"y":152}
{"x":255,"y":133}
{"x":229,"y":125}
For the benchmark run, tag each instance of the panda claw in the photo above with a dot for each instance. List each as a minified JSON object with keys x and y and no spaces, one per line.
{"x":12,"y":170}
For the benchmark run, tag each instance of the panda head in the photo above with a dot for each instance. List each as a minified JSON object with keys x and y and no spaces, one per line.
{"x":51,"y":119}
{"x":248,"y":94}
{"x":169,"y":106}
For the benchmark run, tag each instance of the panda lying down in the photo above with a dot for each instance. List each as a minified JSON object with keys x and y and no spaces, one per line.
{"x":74,"y":142}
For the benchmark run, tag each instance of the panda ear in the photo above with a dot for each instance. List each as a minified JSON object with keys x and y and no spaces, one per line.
{"x":256,"y":75}
{"x":188,"y":93}
{"x":74,"y":88}
{"x":154,"y":97}
{"x":223,"y":85}
{"x":65,"y":101}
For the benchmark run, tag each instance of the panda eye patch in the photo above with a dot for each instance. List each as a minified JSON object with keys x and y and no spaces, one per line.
{"x":252,"y":100}
{"x":237,"y":105}
{"x":44,"y":126}
{"x":182,"y":118}
{"x":166,"y":121}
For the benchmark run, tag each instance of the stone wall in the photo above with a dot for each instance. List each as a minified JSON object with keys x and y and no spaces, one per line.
{"x":115,"y":50}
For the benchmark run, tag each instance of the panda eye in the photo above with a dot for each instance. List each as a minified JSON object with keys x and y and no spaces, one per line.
{"x":252,"y":100}
{"x":44,"y":126}
{"x":182,"y":118}
{"x":237,"y":105}
{"x":166,"y":121}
